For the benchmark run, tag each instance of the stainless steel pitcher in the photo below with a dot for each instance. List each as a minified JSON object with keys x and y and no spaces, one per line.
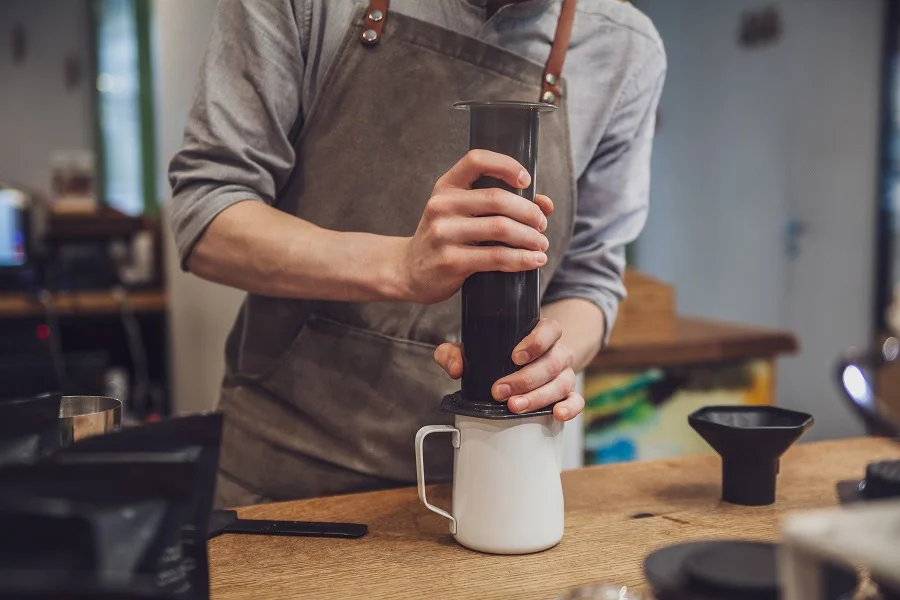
{"x":87,"y":416}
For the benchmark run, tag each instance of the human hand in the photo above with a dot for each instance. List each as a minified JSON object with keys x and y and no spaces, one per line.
{"x":545,"y":377}
{"x":445,"y":249}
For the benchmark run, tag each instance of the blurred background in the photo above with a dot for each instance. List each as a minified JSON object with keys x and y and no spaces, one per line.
{"x":769,"y":249}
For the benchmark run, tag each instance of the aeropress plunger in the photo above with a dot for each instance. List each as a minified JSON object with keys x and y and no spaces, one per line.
{"x":498,"y":309}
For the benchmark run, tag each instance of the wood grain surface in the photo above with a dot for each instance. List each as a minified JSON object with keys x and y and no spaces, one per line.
{"x":615,"y":515}
{"x":697,"y":341}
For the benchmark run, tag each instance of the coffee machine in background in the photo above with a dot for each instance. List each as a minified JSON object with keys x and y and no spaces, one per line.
{"x":51,"y":261}
{"x":19,"y":235}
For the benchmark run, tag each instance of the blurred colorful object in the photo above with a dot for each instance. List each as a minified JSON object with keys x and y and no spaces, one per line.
{"x":643,"y":415}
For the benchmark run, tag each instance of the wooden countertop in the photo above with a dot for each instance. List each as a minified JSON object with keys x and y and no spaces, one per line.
{"x":410,"y":554}
{"x":698,"y":341}
{"x":81,"y":303}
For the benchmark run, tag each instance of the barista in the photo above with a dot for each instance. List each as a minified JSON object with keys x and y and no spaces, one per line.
{"x":324,"y":172}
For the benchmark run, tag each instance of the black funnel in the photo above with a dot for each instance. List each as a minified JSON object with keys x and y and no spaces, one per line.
{"x":750,"y":440}
{"x":498,"y":309}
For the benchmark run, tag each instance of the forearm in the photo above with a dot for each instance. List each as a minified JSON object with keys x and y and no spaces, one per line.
{"x":259,"y":249}
{"x":583,"y":325}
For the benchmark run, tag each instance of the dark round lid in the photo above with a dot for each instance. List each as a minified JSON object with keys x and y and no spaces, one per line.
{"x":882,"y":480}
{"x":664,"y":567}
{"x":735,"y":570}
{"x":713,"y":570}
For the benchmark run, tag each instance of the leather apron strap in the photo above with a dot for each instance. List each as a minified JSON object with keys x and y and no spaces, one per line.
{"x":553,"y":71}
{"x":377,"y":13}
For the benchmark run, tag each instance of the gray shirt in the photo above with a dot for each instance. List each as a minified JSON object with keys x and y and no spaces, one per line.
{"x":266,"y":60}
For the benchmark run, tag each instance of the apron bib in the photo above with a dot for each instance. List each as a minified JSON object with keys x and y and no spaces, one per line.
{"x":326,"y":397}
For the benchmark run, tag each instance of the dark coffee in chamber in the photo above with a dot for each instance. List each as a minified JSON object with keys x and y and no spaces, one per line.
{"x":493,"y":324}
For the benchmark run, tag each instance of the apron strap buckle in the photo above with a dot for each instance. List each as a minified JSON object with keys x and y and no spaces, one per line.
{"x":376,"y":15}
{"x":550,"y":89}
{"x":550,"y":86}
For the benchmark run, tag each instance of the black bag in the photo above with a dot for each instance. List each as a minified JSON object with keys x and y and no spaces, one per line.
{"x":29,"y":429}
{"x":136,"y":507}
{"x":34,"y":525}
{"x":24,"y":586}
{"x":39,"y":567}
{"x":66,"y":586}
{"x":196,"y":438}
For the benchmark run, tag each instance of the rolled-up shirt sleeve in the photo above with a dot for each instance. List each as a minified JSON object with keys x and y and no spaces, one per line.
{"x":613,"y":199}
{"x":237,"y":143}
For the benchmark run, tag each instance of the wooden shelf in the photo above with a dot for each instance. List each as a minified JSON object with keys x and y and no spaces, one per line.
{"x":697,"y":341}
{"x":103,"y":224}
{"x":81,"y":303}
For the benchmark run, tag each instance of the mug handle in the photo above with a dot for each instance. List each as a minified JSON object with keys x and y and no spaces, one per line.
{"x":420,"y":466}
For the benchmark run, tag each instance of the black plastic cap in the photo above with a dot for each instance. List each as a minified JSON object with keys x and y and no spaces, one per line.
{"x":456,"y":404}
{"x":750,"y":440}
{"x":882,"y":480}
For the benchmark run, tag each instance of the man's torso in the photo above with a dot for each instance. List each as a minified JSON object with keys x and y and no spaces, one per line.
{"x":611,"y":40}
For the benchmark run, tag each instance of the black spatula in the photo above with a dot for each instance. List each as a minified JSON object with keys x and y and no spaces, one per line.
{"x":227,"y":521}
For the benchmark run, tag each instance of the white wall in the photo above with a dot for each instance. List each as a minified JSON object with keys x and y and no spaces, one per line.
{"x":833,"y":182}
{"x":200,"y":313}
{"x":750,"y":139}
{"x":718,"y":175}
{"x":38,"y":115}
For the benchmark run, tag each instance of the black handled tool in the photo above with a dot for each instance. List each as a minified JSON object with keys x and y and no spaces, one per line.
{"x":227,"y":521}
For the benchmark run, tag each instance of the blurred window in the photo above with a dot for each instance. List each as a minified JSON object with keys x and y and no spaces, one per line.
{"x":124,"y":104}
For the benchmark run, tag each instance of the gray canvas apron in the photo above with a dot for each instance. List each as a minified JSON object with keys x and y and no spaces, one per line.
{"x":326,"y":397}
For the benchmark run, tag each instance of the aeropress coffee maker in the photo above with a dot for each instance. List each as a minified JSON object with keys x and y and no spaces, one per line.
{"x":507,"y":494}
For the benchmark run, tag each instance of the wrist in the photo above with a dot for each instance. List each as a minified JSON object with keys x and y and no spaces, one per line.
{"x":389,"y":275}
{"x":583,"y":325}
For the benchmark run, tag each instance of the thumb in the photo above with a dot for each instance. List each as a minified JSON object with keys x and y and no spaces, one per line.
{"x":449,"y":357}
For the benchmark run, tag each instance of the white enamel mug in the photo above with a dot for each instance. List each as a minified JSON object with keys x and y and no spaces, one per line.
{"x":507,"y":493}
